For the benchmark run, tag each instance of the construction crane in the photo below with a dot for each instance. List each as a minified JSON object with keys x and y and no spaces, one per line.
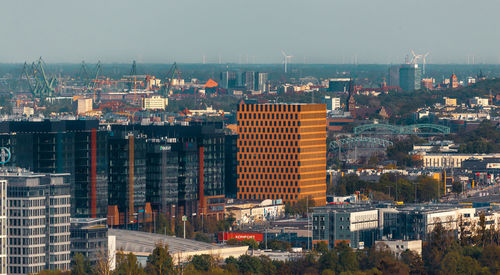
{"x":172,"y":72}
{"x":40,"y":85}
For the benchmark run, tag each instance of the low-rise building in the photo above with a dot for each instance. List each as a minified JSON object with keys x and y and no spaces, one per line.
{"x":89,"y":237}
{"x":83,"y":105}
{"x":251,"y":212}
{"x":479,"y":102}
{"x":154,"y":103}
{"x":399,"y":246}
{"x":356,"y":226}
{"x":446,"y":160}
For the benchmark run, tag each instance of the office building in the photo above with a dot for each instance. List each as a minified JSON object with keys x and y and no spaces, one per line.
{"x":127,"y":178}
{"x":162,"y":173}
{"x":358,"y":227}
{"x":78,"y":147}
{"x":200,"y":156}
{"x":332,"y":103}
{"x":338,"y":84}
{"x":231,"y":165}
{"x":3,"y":227}
{"x":38,"y":221}
{"x":282,"y":152}
{"x":89,"y":237}
{"x":410,"y":77}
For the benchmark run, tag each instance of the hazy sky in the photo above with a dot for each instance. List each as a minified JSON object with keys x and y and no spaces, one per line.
{"x":314,"y":31}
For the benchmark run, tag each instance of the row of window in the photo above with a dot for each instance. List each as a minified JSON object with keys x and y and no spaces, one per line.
{"x":268,"y":170}
{"x":267,"y":164}
{"x":270,"y":107}
{"x":268,"y":183}
{"x":268,"y":190}
{"x":268,"y":123}
{"x":272,"y":129}
{"x":265,"y":176}
{"x":268,"y":196}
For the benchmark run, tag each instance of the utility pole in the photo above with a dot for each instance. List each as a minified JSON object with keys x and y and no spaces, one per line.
{"x":184,"y":219}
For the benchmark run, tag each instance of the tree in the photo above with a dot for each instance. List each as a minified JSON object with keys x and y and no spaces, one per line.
{"x":126,"y":264}
{"x":490,"y":257}
{"x":203,"y":262}
{"x":80,"y":265}
{"x":328,"y":261}
{"x":201,"y":237}
{"x":160,"y":262}
{"x":103,"y":266}
{"x":321,"y":247}
{"x":347,"y":258}
{"x":249,"y":265}
{"x":414,"y":262}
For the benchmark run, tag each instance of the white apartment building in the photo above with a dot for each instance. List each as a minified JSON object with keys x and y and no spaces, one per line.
{"x":3,"y":227}
{"x":451,"y":160}
{"x":38,"y":217}
{"x":154,"y":103}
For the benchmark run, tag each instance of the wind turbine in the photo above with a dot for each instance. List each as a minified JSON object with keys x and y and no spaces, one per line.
{"x":416,"y":57}
{"x":286,"y":59}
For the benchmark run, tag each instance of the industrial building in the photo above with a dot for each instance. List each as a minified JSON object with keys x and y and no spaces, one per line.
{"x":282,"y":152}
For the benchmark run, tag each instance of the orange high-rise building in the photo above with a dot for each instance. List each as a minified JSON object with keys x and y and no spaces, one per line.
{"x":282,"y":152}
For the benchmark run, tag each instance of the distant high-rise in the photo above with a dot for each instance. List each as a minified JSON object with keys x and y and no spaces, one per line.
{"x":261,"y":82}
{"x":250,"y":80}
{"x":228,"y":79}
{"x":338,"y":84}
{"x":282,"y":152}
{"x":394,"y":75}
{"x":410,"y":77}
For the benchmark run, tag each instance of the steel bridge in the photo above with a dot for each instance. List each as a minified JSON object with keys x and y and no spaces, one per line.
{"x":414,"y":129}
{"x":363,"y":142}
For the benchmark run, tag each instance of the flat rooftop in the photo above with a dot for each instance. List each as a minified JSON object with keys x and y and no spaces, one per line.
{"x":143,"y":244}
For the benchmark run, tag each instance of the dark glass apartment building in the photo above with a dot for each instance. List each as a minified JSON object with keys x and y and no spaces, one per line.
{"x":78,"y":147}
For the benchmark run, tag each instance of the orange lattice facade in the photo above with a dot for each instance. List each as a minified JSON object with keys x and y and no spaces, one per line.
{"x":282,"y":152}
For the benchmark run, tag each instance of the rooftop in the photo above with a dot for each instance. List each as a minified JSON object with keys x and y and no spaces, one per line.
{"x":144,"y":243}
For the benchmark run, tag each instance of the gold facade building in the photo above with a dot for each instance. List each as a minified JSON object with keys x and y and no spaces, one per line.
{"x":282,"y":152}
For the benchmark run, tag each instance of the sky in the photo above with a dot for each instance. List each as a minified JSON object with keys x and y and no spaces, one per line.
{"x":251,"y":31}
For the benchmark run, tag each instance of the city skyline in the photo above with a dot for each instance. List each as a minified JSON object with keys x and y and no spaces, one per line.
{"x":323,"y":32}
